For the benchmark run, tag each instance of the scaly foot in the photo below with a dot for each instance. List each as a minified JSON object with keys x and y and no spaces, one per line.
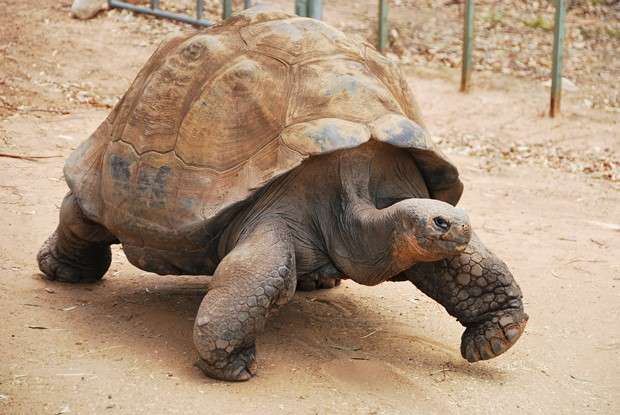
{"x":58,"y":267}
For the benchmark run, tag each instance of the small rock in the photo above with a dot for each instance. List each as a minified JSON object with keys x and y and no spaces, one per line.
{"x":64,"y":410}
{"x":87,"y":9}
{"x":567,"y":85}
{"x":83,"y":96}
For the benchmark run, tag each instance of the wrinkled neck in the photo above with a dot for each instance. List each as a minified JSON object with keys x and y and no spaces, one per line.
{"x":359,"y":238}
{"x":362,"y":243}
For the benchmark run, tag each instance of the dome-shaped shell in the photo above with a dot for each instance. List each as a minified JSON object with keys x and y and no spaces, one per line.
{"x":215,"y":115}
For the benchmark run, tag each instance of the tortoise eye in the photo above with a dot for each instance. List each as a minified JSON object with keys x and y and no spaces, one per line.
{"x":441,"y":223}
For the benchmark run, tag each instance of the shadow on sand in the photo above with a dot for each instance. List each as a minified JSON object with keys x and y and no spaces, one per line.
{"x":150,"y":318}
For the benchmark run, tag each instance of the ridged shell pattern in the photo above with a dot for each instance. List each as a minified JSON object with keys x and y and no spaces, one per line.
{"x":215,"y":115}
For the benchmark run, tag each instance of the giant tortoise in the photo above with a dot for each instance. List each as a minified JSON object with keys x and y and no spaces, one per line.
{"x":274,"y":153}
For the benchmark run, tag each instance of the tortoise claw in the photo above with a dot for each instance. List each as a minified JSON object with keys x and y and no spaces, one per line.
{"x":56,"y":267}
{"x":489,"y":339}
{"x":315,"y":282}
{"x":239,"y":366}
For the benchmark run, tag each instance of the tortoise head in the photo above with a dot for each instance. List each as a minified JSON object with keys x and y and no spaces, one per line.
{"x":382,"y":220}
{"x":427,"y":230}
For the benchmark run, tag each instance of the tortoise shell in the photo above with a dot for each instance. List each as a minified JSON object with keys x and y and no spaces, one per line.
{"x":215,"y":115}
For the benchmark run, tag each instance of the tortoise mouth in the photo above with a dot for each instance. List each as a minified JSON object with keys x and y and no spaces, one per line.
{"x":488,"y":339}
{"x":443,"y":247}
{"x":457,"y":245}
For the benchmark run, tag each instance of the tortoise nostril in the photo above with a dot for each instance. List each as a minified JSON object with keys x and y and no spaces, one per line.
{"x":466,"y":230}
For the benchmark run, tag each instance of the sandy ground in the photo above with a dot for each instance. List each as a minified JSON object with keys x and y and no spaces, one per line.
{"x":123,"y":346}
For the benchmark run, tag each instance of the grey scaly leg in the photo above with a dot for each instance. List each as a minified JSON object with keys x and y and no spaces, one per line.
{"x":256,"y":277}
{"x":79,"y":249}
{"x":477,"y":288}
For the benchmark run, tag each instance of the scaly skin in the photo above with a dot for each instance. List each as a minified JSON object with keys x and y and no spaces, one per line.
{"x":254,"y":279}
{"x":477,"y":288}
{"x":370,"y":219}
{"x":79,"y":250}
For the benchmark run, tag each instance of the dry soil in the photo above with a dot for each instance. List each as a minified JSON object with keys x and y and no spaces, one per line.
{"x":124,"y":345}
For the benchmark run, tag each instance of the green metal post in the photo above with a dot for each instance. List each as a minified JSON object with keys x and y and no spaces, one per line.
{"x":199,"y":9}
{"x":226,"y":9}
{"x":556,"y":70}
{"x":315,"y":9}
{"x":468,"y":40}
{"x":382,"y":35}
{"x":301,"y":8}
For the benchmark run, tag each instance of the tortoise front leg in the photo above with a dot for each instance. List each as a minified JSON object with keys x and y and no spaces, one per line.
{"x":477,"y":288}
{"x":256,"y":277}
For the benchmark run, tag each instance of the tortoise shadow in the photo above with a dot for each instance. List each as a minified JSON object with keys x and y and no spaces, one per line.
{"x":153,"y":316}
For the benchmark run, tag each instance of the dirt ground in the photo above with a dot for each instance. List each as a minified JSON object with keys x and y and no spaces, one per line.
{"x":124,"y":345}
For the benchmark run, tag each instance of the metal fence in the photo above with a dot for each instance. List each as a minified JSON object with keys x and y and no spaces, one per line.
{"x":314,"y":9}
{"x":304,"y":8}
{"x":156,"y":10}
{"x":556,"y":57}
{"x":309,"y":8}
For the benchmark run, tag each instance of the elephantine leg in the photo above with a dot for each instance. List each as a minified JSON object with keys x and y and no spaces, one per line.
{"x":256,"y":277}
{"x":325,"y":277}
{"x":79,"y":249}
{"x":477,"y":288}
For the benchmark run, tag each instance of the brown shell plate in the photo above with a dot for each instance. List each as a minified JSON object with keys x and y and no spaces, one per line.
{"x":215,"y":115}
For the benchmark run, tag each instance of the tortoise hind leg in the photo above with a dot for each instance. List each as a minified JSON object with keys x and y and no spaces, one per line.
{"x":325,"y":277}
{"x":78,"y":250}
{"x":256,"y":277}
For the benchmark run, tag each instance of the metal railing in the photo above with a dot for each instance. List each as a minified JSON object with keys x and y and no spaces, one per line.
{"x":309,"y":8}
{"x":314,"y":9}
{"x":556,"y":57}
{"x":383,"y":26}
{"x":304,"y":8}
{"x":556,"y":70}
{"x":155,"y":10}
